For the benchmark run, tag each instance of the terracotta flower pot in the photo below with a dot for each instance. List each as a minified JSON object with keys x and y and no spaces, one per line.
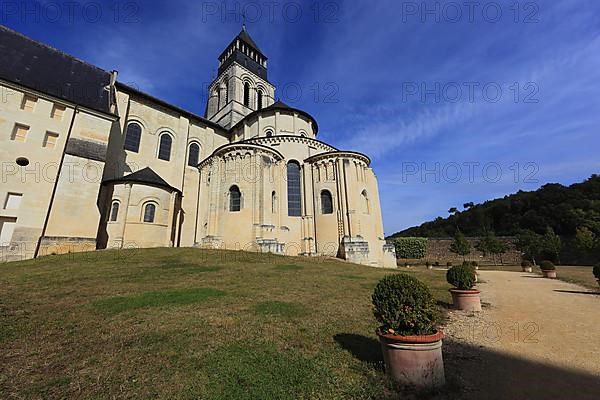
{"x":549,"y":274}
{"x":466,"y":300}
{"x":527,"y":269}
{"x":414,"y":360}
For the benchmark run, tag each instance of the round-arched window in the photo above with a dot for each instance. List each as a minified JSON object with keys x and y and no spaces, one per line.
{"x":164,"y":147}
{"x":194,"y":155}
{"x":149,"y":213}
{"x":133,"y":136}
{"x":326,"y":202}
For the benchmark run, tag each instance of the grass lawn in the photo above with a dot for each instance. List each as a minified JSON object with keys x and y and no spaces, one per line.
{"x":191,"y":324}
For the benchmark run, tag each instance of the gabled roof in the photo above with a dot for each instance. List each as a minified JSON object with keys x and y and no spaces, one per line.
{"x":42,"y":68}
{"x":144,"y":176}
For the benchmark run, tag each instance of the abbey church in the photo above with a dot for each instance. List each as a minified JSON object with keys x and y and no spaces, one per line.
{"x":89,"y":163}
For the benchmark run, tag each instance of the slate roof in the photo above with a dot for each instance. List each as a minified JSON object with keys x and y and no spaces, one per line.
{"x":245,"y":36}
{"x":144,"y":176}
{"x":44,"y":69}
{"x":279,"y":105}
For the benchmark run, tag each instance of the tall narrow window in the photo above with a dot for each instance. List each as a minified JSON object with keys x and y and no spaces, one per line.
{"x":20,"y":133}
{"x":194,"y":155}
{"x":28,"y":103}
{"x":226,"y":92}
{"x":294,"y":189}
{"x":57,"y":112}
{"x":133,"y":135}
{"x":218,"y":98}
{"x":365,"y":201}
{"x":149,"y":213}
{"x":235,"y":199}
{"x":247,"y":94}
{"x":50,"y":140}
{"x":114,"y":212}
{"x":259,"y":100}
{"x":164,"y":147}
{"x":273,"y":202}
{"x":326,"y":202}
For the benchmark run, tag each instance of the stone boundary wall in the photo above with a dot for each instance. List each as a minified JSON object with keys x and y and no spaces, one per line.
{"x":438,"y":249}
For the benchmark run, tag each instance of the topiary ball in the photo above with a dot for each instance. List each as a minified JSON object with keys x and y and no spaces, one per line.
{"x":597,"y":271}
{"x":461,"y":277}
{"x":547,"y":266}
{"x":404,"y":306}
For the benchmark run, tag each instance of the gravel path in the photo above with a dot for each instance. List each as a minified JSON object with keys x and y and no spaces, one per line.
{"x":535,"y":339}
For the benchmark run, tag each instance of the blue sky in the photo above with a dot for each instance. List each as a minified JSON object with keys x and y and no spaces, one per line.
{"x":454,"y":103}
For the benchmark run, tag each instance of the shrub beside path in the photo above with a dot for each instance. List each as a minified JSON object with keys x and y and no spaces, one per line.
{"x":536,"y":339}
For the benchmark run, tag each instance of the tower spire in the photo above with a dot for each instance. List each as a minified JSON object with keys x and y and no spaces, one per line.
{"x":244,"y":20}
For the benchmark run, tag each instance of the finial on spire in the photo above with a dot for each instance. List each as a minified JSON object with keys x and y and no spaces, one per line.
{"x":244,"y":20}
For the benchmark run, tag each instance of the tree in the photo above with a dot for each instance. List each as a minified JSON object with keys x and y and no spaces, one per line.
{"x":460,"y":245}
{"x":552,"y":244}
{"x":498,"y":248}
{"x":585,"y":239}
{"x":530,"y":244}
{"x":469,"y":205}
{"x":490,"y":244}
{"x":453,"y":210}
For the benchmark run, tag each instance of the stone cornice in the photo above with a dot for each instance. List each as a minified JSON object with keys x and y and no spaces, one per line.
{"x":240,"y":146}
{"x":292,"y":139}
{"x":339,"y":154}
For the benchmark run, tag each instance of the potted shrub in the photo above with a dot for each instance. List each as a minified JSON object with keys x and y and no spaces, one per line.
{"x":597,"y":272}
{"x":526,"y":266}
{"x":548,"y":269}
{"x":464,"y":297}
{"x":470,"y":266}
{"x":428,"y":265}
{"x":410,"y":341}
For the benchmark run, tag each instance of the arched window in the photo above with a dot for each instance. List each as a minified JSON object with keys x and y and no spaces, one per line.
{"x":149,"y":213}
{"x":269,"y":132}
{"x":218,"y":98}
{"x":247,"y":94}
{"x":326,"y":202}
{"x":235,"y":199}
{"x":114,"y":212}
{"x":294,"y":189}
{"x":133,"y":135}
{"x":194,"y":155}
{"x":164,"y":147}
{"x":259,"y":100}
{"x":226,"y":91}
{"x":273,"y":202}
{"x":365,"y":200}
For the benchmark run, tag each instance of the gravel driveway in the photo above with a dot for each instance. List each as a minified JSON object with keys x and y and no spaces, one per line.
{"x":536,"y":339}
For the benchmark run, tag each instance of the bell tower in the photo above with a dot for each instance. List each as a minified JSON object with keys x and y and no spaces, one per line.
{"x":241,"y":86}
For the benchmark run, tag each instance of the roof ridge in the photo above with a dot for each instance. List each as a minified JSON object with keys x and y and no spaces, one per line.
{"x":37,"y":42}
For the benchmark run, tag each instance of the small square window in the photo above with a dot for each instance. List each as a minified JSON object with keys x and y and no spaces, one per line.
{"x":13,"y":201}
{"x":20,"y":133}
{"x":50,"y":140}
{"x":57,"y":112}
{"x":28,"y":103}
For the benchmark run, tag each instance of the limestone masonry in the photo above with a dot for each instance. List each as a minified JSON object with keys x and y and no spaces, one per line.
{"x":90,"y":163}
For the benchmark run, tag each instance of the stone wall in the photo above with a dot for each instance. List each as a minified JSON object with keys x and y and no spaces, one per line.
{"x":438,"y":249}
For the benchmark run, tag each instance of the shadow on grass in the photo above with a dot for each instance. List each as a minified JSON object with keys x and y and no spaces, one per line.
{"x":363,"y":348}
{"x":577,"y":292}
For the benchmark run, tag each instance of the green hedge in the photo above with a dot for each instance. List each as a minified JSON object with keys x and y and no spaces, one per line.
{"x":410,"y":247}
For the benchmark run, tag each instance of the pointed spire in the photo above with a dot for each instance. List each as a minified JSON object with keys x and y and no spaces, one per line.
{"x":244,"y":20}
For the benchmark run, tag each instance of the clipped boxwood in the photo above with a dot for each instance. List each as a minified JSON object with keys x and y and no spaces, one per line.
{"x":547,"y":266}
{"x":461,"y":277}
{"x":404,"y":306}
{"x":597,"y":271}
{"x":410,"y":247}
